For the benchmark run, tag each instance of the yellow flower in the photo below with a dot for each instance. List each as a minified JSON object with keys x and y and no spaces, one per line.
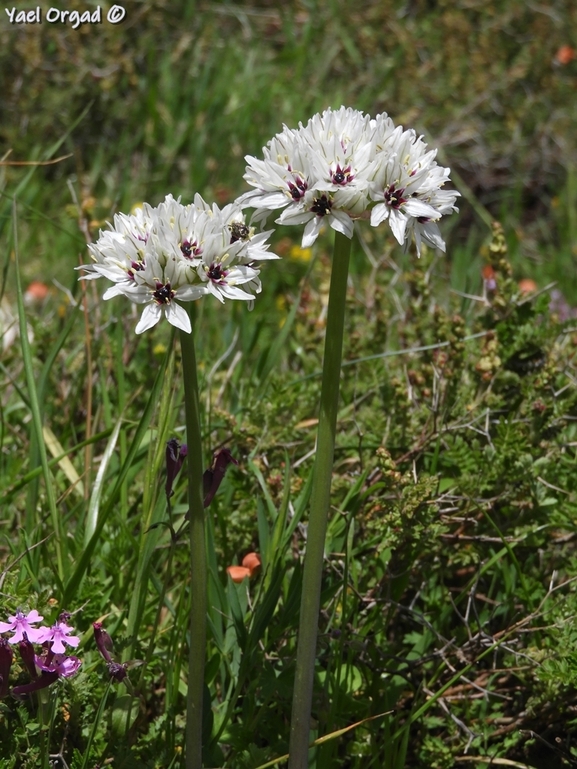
{"x":300,"y":254}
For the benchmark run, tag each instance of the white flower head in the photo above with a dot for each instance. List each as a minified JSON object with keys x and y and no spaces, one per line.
{"x":407,"y":190}
{"x":174,"y":253}
{"x":342,"y":166}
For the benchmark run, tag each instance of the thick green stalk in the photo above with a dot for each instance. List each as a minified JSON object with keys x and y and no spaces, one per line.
{"x":198,"y":583}
{"x":320,"y":500}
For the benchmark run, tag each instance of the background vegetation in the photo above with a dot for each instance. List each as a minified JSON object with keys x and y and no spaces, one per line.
{"x":449,"y":597}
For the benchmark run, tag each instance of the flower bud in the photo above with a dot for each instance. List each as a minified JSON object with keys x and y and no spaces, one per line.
{"x":212,"y":477}
{"x":175,"y":454}
{"x":103,"y":641}
{"x":6,"y":656}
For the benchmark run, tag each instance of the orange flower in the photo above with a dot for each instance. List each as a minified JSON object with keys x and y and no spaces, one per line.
{"x":488,"y":272}
{"x":36,"y":292}
{"x":527,"y":286}
{"x":565,"y":54}
{"x":238,"y":573}
{"x":252,"y":562}
{"x":250,"y":568}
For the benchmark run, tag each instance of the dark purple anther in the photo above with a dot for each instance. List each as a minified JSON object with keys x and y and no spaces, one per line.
{"x":216,"y":273}
{"x":394,"y":197}
{"x":163,"y":293}
{"x":321,"y":206}
{"x":342,"y":176}
{"x":297,"y":188}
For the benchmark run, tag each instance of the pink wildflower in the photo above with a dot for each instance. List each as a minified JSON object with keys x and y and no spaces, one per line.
{"x":58,"y":635}
{"x":22,"y":623}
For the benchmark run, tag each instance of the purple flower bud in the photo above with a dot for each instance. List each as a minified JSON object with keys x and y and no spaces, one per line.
{"x":212,"y":477}
{"x":175,"y":454}
{"x":103,"y":641}
{"x":6,"y":656}
{"x":104,"y":644}
{"x":28,"y":657}
{"x":117,"y":671}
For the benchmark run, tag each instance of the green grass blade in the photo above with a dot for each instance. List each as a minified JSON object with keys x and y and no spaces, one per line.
{"x":84,"y":561}
{"x":98,"y":485}
{"x":37,"y":435}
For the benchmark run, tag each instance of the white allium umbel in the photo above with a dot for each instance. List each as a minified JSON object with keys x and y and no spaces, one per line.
{"x":343,"y":166}
{"x":162,"y":256}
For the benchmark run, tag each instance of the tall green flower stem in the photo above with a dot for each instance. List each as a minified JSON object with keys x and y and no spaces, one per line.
{"x":198,"y":581}
{"x":319,"y":512}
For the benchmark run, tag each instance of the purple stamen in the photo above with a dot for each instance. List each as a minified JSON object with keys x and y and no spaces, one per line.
{"x":321,"y":206}
{"x":393,"y":197}
{"x":163,"y":293}
{"x":216,"y":273}
{"x":190,"y":250}
{"x":297,"y":188}
{"x":342,"y":176}
{"x":135,"y":267}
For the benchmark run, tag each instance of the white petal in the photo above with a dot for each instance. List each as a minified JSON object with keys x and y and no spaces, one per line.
{"x":311,"y":232}
{"x":295,"y":215}
{"x":190,"y":293}
{"x":431,"y":233}
{"x":90,"y":273}
{"x":149,"y":318}
{"x":136,"y":294}
{"x":110,"y":271}
{"x":178,"y":316}
{"x":343,"y":223}
{"x":232,"y":292}
{"x":263,"y":199}
{"x":379,"y":213}
{"x":398,"y":224}
{"x":212,"y":289}
{"x":415,"y":207}
{"x":115,"y":290}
